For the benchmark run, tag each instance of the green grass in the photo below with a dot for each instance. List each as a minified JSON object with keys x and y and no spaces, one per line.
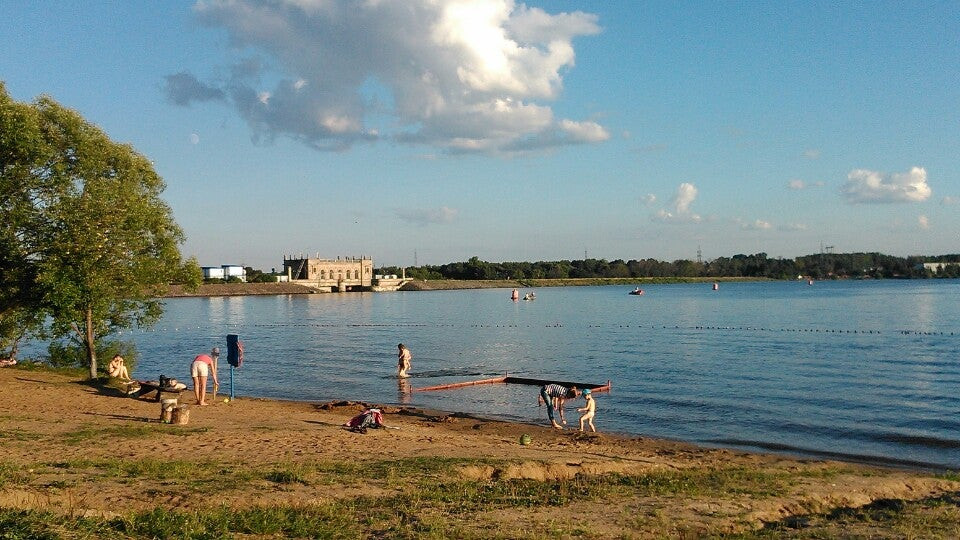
{"x":11,"y":475}
{"x":19,"y":435}
{"x":935,"y":517}
{"x":30,"y":364}
{"x":427,"y":498}
{"x":291,"y":474}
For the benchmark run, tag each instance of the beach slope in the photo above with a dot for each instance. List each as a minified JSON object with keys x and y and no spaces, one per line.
{"x":84,"y":460}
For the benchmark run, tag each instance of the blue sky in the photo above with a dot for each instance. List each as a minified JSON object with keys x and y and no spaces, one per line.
{"x":519,"y":131}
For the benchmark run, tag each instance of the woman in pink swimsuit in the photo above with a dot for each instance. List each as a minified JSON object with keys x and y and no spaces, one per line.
{"x":201,"y":367}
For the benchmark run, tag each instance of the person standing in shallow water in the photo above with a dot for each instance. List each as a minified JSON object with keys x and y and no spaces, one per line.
{"x":403,"y":360}
{"x":589,"y":410}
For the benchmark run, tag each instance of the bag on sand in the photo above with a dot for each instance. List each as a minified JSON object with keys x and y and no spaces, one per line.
{"x":369,"y":418}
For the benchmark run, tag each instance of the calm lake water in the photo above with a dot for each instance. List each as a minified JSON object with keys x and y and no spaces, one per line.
{"x":857,"y":370}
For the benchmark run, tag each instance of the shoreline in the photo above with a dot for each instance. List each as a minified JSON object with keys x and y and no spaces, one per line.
{"x":260,"y":289}
{"x":87,"y":449}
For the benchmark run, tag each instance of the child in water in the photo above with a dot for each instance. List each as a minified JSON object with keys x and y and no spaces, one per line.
{"x":589,"y":409}
{"x":403,"y":360}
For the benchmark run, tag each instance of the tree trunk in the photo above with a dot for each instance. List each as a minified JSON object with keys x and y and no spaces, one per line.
{"x":90,"y":342}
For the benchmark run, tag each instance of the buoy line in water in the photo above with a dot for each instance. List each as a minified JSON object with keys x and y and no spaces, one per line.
{"x":905,"y":332}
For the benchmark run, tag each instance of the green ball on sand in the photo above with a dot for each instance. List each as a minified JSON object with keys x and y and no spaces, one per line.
{"x":525,"y":439}
{"x":226,"y":400}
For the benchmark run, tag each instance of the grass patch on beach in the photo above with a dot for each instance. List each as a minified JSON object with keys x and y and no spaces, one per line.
{"x":935,"y":517}
{"x":291,"y":474}
{"x":394,"y":470}
{"x":118,"y":432}
{"x":30,"y":364}
{"x":12,"y":475}
{"x":708,"y":483}
{"x":199,"y":477}
{"x":431,"y":500}
{"x":19,"y":435}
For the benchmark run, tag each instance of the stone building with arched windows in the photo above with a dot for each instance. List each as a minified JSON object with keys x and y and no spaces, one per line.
{"x":334,"y":275}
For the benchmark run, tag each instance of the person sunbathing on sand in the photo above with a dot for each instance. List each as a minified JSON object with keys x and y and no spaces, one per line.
{"x":118,"y":369}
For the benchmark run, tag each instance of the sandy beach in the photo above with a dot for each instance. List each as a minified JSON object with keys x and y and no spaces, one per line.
{"x":74,"y":448}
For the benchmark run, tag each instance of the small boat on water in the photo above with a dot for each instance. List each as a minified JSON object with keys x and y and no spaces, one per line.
{"x":530,"y":296}
{"x":636,"y":292}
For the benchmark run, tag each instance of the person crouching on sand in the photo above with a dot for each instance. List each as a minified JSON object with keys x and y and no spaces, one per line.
{"x":554,"y":396}
{"x":403,"y":360}
{"x":200,"y":368}
{"x":589,"y":409}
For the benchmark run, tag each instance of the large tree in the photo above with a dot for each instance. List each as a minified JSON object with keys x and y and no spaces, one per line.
{"x":22,"y":192}
{"x":101,"y":243}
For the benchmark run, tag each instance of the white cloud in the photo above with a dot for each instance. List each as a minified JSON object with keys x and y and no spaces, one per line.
{"x":463,"y":75}
{"x":923,"y":222}
{"x":796,"y":184}
{"x":756,"y":225}
{"x":648,"y":199}
{"x":686,"y":194}
{"x":427,"y":216}
{"x":864,"y":186}
{"x":948,"y":200}
{"x":194,"y":138}
{"x":589,"y":132}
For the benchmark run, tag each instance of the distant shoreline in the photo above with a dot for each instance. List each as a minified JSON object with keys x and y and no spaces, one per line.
{"x":260,"y":289}
{"x":455,"y":284}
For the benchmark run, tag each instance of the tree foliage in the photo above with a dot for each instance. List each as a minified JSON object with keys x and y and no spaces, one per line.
{"x":88,"y":229}
{"x":758,"y":265}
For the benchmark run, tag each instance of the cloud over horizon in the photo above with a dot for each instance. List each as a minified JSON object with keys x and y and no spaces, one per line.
{"x":865,"y":186}
{"x":684,"y":197}
{"x":468,"y":76}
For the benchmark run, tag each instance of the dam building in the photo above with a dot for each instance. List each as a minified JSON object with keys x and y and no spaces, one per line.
{"x":330,"y":275}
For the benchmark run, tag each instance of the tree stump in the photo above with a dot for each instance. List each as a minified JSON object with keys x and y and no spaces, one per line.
{"x":181,"y":415}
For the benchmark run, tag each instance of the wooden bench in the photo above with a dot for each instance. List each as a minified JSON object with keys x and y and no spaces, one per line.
{"x":163,"y":392}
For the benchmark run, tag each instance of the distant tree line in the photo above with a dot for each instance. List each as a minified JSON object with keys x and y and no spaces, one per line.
{"x":759,"y":265}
